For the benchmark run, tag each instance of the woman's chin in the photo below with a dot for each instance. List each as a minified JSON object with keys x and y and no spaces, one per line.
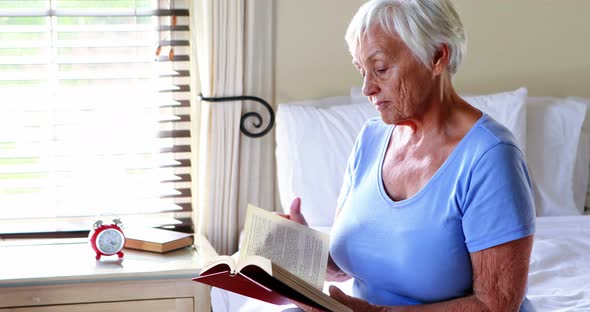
{"x":391,"y":120}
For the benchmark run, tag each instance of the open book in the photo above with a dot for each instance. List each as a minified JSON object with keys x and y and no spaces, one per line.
{"x":280,"y":262}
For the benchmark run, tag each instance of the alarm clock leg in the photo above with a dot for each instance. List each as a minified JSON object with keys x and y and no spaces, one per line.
{"x":98,"y":256}
{"x":120,"y":254}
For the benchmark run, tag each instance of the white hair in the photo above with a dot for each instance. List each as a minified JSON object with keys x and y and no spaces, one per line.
{"x":423,"y":25}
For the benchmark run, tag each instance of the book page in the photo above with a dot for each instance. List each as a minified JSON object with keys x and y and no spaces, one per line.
{"x":299,"y":249}
{"x":261,"y":262}
{"x":217,"y":260}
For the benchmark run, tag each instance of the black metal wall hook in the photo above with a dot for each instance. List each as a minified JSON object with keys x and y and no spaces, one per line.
{"x":255,"y":115}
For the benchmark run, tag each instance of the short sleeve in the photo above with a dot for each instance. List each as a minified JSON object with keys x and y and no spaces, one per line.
{"x":499,"y":205}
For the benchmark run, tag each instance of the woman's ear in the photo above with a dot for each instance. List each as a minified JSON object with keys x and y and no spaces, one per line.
{"x":440,"y":60}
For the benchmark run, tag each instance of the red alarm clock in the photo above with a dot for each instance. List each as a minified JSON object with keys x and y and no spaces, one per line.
{"x":107,"y":240}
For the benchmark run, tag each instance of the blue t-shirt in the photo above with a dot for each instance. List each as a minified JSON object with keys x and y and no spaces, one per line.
{"x":416,"y":250}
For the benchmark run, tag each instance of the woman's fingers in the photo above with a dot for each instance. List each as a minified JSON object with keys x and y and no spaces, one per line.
{"x":354,"y":303}
{"x":295,"y":206}
{"x":284,"y":215}
{"x":295,"y":212}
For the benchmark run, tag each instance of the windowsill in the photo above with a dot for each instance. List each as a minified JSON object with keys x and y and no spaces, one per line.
{"x":70,"y":227}
{"x":44,"y":228}
{"x":27,"y":262}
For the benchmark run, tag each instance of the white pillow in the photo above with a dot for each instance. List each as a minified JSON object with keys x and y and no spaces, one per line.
{"x":554,"y":127}
{"x":582,"y":167}
{"x":508,"y":108}
{"x":313,"y":145}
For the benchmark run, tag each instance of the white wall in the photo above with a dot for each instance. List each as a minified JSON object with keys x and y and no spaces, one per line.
{"x":541,"y":44}
{"x":311,"y":58}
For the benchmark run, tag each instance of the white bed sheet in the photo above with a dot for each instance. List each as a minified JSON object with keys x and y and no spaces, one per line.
{"x":559,"y":275}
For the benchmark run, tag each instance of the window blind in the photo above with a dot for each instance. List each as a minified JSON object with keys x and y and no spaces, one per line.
{"x":94,"y":114}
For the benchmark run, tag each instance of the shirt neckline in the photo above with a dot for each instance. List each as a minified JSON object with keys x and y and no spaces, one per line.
{"x":432,"y":180}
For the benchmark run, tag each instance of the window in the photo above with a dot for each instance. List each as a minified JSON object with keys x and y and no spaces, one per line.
{"x":92,"y":122}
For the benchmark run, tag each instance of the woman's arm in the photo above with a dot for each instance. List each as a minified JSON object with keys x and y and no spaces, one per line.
{"x":499,"y":283}
{"x":334,"y":273}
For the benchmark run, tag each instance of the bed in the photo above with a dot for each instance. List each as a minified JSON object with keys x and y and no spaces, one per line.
{"x":314,"y":138}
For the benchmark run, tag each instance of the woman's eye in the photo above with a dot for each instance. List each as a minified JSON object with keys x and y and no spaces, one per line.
{"x":382,"y":70}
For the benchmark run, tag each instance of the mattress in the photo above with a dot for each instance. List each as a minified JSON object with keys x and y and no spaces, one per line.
{"x":559,"y":274}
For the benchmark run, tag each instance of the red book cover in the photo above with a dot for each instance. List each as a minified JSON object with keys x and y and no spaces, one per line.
{"x":241,"y":284}
{"x":255,"y":283}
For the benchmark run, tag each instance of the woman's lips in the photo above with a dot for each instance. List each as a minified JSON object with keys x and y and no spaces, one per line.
{"x":380,"y":105}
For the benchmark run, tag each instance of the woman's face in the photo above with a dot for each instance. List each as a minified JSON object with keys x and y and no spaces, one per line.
{"x":395,"y":81}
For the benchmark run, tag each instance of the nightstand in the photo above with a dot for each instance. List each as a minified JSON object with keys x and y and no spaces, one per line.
{"x":66,"y":277}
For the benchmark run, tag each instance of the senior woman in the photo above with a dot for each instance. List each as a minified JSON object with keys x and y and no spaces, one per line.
{"x":436,"y":209}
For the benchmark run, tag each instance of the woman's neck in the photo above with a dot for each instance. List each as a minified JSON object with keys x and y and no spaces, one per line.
{"x":445,"y":114}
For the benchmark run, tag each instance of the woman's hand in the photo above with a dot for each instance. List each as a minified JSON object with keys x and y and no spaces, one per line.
{"x":354,"y":303}
{"x":295,"y":212}
{"x":334,"y":273}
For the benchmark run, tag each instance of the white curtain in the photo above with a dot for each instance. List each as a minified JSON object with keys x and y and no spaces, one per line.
{"x":257,"y":161}
{"x":233,"y":42}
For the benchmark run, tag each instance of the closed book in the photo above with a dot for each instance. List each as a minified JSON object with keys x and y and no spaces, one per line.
{"x":156,"y":240}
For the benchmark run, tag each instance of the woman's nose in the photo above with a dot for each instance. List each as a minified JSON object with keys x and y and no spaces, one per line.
{"x":369,"y":86}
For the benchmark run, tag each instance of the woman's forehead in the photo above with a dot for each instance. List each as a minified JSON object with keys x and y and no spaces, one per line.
{"x":361,"y":57}
{"x":374,"y":44}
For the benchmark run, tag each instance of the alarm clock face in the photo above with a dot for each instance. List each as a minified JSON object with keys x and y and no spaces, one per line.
{"x":110,"y":241}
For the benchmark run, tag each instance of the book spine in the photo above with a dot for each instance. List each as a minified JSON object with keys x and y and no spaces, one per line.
{"x":255,"y":282}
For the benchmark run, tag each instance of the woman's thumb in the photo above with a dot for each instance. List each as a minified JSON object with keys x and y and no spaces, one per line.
{"x":295,"y":212}
{"x":295,"y":206}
